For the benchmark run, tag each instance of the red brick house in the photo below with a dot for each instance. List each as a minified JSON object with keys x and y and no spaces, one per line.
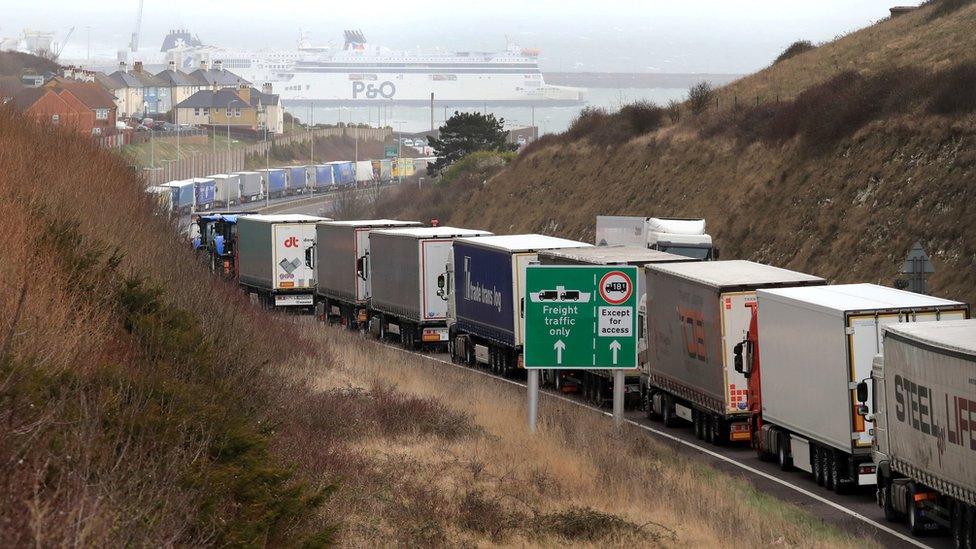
{"x":84,"y":106}
{"x":47,"y":107}
{"x":91,"y":97}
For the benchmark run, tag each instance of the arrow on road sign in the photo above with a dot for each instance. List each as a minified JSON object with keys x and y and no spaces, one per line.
{"x":615,"y":346}
{"x":559,"y":346}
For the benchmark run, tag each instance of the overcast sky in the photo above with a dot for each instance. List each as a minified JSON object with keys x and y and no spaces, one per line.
{"x":734,"y":36}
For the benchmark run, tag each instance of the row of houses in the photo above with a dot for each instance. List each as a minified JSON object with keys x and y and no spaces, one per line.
{"x":206,"y":96}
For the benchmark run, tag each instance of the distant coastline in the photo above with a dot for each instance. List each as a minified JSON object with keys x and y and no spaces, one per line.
{"x":636,"y":79}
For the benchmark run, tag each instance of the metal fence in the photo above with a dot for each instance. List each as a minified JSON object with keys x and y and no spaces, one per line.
{"x":235,"y":159}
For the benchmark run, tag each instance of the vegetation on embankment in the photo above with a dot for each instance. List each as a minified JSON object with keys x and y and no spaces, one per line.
{"x":135,"y":406}
{"x":473,"y":475}
{"x":839,"y":182}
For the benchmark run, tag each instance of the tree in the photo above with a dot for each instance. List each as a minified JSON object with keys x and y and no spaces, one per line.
{"x":465,"y":133}
{"x":700,"y":97}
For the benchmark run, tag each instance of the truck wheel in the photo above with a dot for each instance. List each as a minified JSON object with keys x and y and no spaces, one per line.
{"x":817,"y":465}
{"x":830,"y":468}
{"x":708,"y":429}
{"x":957,"y":521}
{"x":697,"y":424}
{"x":884,"y":499}
{"x":782,"y":452}
{"x":667,"y":412}
{"x":970,"y":526}
{"x":720,"y":431}
{"x":916,"y":520}
{"x":558,"y":382}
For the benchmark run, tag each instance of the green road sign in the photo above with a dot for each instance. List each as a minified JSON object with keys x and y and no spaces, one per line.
{"x":390,"y":151}
{"x":581,"y":317}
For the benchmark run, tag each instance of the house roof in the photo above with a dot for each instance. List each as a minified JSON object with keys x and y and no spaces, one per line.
{"x":146,"y":79}
{"x":125,"y":80}
{"x":212,"y":77}
{"x":28,"y":97}
{"x":89,"y":93}
{"x":175,"y":78}
{"x":225,"y":98}
{"x":106,"y":81}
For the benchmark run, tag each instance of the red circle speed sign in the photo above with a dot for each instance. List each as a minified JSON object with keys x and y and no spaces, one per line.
{"x":616,"y":287}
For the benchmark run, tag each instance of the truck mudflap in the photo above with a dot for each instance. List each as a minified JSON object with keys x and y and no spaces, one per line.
{"x":294,"y":300}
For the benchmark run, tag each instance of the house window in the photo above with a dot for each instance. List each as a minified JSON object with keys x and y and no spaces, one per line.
{"x":101,"y":114}
{"x":96,"y":131}
{"x":196,"y":111}
{"x":237,"y":112}
{"x":228,"y":112}
{"x":55,"y":118}
{"x":206,"y":111}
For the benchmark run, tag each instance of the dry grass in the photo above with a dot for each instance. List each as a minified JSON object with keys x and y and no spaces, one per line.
{"x":478,"y":477}
{"x":133,"y":397}
{"x":914,"y":39}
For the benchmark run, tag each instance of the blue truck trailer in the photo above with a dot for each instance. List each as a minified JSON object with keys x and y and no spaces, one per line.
{"x":182,"y":197}
{"x":204,"y":193}
{"x":275,"y":182}
{"x":344,"y":173}
{"x":324,"y":177}
{"x":299,"y":179}
{"x":486,"y":284}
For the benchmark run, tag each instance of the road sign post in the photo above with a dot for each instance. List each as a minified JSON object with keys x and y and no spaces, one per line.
{"x":581,"y":318}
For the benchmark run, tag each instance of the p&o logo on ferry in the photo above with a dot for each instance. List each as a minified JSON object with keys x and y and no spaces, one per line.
{"x":386,"y":90}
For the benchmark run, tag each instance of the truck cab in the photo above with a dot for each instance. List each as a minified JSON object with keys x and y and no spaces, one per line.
{"x":676,"y":235}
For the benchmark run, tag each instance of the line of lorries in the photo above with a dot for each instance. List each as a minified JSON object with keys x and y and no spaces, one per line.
{"x":202,"y":194}
{"x":856,"y":384}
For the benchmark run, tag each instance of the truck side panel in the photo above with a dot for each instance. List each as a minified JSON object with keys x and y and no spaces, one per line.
{"x":395,"y":272}
{"x":254,"y":253}
{"x":336,"y":261}
{"x":930,"y":397}
{"x":684,"y":337}
{"x":484,"y":292}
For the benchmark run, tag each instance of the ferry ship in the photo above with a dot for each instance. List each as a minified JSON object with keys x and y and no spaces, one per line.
{"x":362,"y":74}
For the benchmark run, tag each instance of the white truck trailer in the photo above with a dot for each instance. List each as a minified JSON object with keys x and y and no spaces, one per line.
{"x":596,"y":385}
{"x":676,"y":235}
{"x":696,"y":313}
{"x":227,"y":189}
{"x":276,"y":260}
{"x":924,"y":414}
{"x":408,"y":267}
{"x":344,"y":286}
{"x":815,"y":344}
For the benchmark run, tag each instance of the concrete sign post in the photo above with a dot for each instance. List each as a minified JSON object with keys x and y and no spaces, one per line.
{"x":581,"y":317}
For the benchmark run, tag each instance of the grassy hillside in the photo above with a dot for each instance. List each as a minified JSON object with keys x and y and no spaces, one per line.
{"x":839,"y":182}
{"x":935,"y":36}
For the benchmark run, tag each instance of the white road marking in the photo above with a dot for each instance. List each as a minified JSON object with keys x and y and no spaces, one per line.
{"x":702,"y":449}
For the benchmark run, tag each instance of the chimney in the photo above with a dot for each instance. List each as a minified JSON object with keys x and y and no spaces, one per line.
{"x":267,"y":88}
{"x":121,"y":66}
{"x":203,"y":64}
{"x":244,"y":91}
{"x":138,"y":66}
{"x":172,"y":65}
{"x":218,"y":65}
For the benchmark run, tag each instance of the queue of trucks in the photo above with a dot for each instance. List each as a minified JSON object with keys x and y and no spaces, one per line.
{"x":216,"y":191}
{"x":854,"y":384}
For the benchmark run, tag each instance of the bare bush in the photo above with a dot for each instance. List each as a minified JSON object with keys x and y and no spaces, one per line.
{"x":674,"y":111}
{"x":794,"y":49}
{"x":700,"y":97}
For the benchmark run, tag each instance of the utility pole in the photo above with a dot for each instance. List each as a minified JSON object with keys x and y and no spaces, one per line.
{"x":431,"y":111}
{"x":267,"y":161}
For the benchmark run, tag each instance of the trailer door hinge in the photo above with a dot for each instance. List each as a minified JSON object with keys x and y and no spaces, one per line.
{"x":849,"y":330}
